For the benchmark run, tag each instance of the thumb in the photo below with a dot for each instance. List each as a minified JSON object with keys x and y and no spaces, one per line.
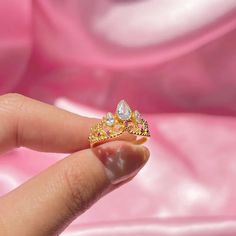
{"x":46,"y":204}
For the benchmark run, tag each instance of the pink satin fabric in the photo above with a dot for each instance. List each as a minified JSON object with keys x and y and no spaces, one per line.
{"x":175,"y":61}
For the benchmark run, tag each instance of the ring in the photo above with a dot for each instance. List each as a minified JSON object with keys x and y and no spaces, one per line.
{"x":123,"y":121}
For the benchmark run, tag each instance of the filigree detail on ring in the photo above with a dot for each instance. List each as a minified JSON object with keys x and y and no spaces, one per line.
{"x":113,"y":125}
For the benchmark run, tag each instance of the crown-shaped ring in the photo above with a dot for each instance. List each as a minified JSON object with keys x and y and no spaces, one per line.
{"x":113,"y":125}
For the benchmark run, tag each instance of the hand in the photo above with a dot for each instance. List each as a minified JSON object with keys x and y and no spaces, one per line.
{"x":49,"y":202}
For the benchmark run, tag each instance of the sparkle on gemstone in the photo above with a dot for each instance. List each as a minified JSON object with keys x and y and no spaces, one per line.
{"x":123,"y":110}
{"x":137,"y":116}
{"x":109,"y":119}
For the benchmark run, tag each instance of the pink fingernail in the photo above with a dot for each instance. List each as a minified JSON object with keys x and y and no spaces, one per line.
{"x":122,"y":160}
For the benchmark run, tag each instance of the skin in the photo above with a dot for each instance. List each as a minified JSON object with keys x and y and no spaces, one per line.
{"x":50,"y":201}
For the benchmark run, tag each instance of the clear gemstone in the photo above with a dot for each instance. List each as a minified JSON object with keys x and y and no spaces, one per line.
{"x":109,"y":119}
{"x":137,"y":116}
{"x":123,"y":110}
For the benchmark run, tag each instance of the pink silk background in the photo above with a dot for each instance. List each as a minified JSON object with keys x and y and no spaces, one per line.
{"x":173,"y":60}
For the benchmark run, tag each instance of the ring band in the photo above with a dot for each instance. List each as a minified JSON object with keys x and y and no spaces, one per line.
{"x":114,"y":125}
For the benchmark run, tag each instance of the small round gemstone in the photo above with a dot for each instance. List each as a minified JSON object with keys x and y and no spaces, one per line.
{"x":110,"y":119}
{"x":126,"y":123}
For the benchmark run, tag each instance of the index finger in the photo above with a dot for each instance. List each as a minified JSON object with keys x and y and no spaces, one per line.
{"x":39,"y":126}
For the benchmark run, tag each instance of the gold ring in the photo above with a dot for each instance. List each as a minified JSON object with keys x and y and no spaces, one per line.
{"x":123,"y":121}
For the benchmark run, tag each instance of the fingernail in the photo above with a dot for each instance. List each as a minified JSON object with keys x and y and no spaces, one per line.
{"x":122,"y":160}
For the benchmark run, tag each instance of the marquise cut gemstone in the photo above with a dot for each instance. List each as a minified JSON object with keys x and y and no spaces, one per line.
{"x":123,"y":110}
{"x":137,"y":116}
{"x":109,"y":119}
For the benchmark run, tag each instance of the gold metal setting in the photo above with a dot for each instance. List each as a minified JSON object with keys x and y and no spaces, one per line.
{"x":114,"y":125}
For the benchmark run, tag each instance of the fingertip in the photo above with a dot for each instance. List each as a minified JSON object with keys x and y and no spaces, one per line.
{"x":146,"y":153}
{"x":121,"y":159}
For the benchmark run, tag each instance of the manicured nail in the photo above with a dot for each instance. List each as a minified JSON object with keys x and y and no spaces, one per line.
{"x":122,"y":160}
